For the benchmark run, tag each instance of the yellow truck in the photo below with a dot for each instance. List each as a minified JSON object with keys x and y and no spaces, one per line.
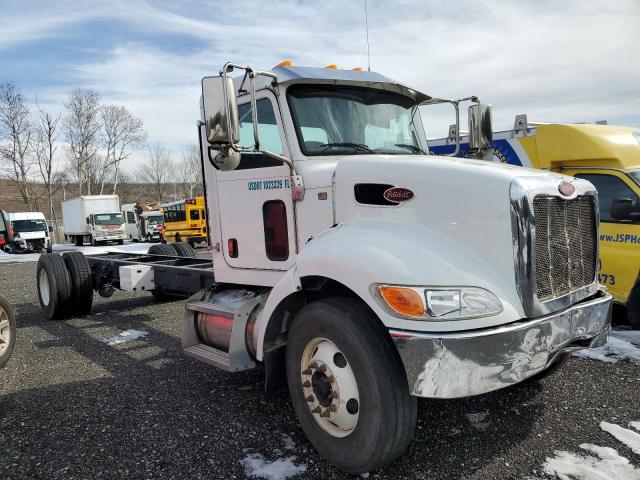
{"x":606,"y":155}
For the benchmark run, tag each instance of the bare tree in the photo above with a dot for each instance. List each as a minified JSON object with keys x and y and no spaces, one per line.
{"x":44,"y":147}
{"x":81,"y":128}
{"x":189,"y":172}
{"x":15,"y":138}
{"x":121,"y":132}
{"x":156,"y":170}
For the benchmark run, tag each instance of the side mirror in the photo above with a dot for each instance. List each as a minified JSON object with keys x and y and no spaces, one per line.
{"x":480,"y":127}
{"x":624,"y":209}
{"x":87,"y":219}
{"x":220,"y":111}
{"x":50,"y":229}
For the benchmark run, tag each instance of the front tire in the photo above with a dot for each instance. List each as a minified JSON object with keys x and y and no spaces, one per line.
{"x":7,"y":330}
{"x":633,"y":307}
{"x":348,"y":385}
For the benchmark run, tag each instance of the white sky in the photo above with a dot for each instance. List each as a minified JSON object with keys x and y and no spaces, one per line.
{"x":556,"y":61}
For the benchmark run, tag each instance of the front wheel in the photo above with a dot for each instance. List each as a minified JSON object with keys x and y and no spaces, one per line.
{"x":7,"y":330}
{"x":633,"y":307}
{"x":348,"y":385}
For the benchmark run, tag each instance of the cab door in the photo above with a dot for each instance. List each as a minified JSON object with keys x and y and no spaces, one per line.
{"x":619,"y":240}
{"x":254,"y":200}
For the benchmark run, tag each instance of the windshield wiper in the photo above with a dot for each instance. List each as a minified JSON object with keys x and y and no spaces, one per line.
{"x":360,"y":147}
{"x":408,"y":146}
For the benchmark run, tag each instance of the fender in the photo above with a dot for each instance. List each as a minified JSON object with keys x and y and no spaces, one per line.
{"x":364,"y":252}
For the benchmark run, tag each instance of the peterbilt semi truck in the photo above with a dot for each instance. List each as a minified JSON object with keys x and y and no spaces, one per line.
{"x":96,"y":219}
{"x":357,"y":269}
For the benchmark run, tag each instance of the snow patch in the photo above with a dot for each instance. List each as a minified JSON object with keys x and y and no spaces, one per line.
{"x":126,"y":336}
{"x":630,"y":438}
{"x":635,"y":425}
{"x":606,"y":465}
{"x":257,"y":466}
{"x":622,"y":345}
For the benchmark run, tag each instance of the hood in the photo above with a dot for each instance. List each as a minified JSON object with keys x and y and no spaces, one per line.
{"x":461,"y":208}
{"x":30,"y":235}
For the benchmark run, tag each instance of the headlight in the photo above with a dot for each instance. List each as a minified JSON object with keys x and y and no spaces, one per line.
{"x":432,"y":303}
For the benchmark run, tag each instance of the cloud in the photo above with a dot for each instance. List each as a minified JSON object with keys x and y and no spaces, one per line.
{"x":556,"y":61}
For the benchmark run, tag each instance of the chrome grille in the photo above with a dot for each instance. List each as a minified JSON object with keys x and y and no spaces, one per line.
{"x":565,"y":245}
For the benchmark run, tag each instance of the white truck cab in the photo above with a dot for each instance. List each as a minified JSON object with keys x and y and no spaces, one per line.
{"x":372,"y":272}
{"x":28,"y":232}
{"x":357,"y":269}
{"x":142,"y":225}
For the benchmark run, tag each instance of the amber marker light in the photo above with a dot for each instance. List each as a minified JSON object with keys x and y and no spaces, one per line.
{"x":402,"y":300}
{"x":285,"y":63}
{"x":332,"y":67}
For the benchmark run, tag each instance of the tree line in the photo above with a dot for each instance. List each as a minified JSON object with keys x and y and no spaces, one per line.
{"x":95,"y":138}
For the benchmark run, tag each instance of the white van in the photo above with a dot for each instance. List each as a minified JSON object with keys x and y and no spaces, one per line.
{"x":28,"y":232}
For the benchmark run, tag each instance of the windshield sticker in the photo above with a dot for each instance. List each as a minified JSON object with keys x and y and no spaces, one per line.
{"x":268,"y":184}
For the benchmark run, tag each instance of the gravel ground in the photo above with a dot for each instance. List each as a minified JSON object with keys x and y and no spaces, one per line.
{"x":73,"y":407}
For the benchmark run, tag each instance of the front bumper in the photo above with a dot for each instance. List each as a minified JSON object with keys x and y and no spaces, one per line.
{"x":463,"y":364}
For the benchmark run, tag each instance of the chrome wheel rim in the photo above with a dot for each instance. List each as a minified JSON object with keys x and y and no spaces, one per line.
{"x":5,"y":329}
{"x":43,"y":282}
{"x":329,"y":387}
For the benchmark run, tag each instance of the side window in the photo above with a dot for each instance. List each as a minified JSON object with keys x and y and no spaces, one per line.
{"x":276,"y":237}
{"x":131,"y":218}
{"x":194,"y":215}
{"x":267,"y":130}
{"x":609,"y":189}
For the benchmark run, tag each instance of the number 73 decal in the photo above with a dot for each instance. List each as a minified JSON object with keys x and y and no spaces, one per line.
{"x":606,"y":279}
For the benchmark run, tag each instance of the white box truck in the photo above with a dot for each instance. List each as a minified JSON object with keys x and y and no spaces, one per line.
{"x":356,"y":268}
{"x":93,"y":218}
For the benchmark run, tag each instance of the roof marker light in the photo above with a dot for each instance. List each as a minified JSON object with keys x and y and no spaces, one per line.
{"x":332,"y":67}
{"x":357,"y":69}
{"x":285,"y":63}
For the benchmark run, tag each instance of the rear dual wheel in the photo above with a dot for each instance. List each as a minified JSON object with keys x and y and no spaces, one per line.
{"x":348,"y":386}
{"x":64,"y":285}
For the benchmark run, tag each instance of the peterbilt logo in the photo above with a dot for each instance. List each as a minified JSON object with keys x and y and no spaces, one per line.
{"x":398,"y":195}
{"x":567,"y":189}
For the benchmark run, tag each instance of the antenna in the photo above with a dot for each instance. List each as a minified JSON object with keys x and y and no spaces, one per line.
{"x":366,"y":23}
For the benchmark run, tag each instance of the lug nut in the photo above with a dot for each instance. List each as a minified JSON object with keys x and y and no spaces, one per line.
{"x":316,"y":410}
{"x":333,"y":407}
{"x":307,"y":372}
{"x":325,"y":414}
{"x":333,"y":395}
{"x":307,"y":383}
{"x":311,"y":399}
{"x":329,"y":379}
{"x":322,"y":368}
{"x":313,"y":364}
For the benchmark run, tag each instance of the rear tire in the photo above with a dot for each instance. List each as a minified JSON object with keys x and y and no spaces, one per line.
{"x":81,"y":282}
{"x":177,"y":237}
{"x":386,"y":412}
{"x":184,"y":249}
{"x":79,"y":241}
{"x":7,"y":330}
{"x":54,"y":286}
{"x":120,"y":242}
{"x":162,"y":249}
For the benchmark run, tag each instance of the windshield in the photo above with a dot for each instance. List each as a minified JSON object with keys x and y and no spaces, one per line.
{"x":108,"y":219}
{"x":29,"y":226}
{"x":339,"y":120}
{"x":635,"y":174}
{"x":155,"y":220}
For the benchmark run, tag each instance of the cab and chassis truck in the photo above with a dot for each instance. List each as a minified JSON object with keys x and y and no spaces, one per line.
{"x":355,"y":268}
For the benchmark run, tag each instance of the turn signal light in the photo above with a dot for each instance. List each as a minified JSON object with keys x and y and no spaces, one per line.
{"x":332,"y":67}
{"x":285,"y":63}
{"x":402,"y":300}
{"x":357,"y":69}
